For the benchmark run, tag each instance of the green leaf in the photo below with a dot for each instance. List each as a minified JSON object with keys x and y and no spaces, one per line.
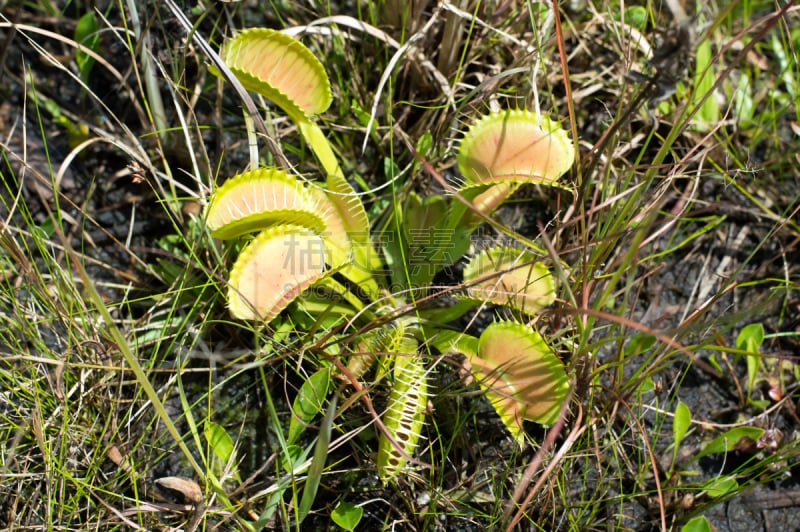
{"x":424,"y":215}
{"x":86,"y":33}
{"x":636,"y":16}
{"x":647,"y":385}
{"x":315,"y":310}
{"x":293,"y":457}
{"x":728,"y":441}
{"x":219,"y":440}
{"x":429,"y":243}
{"x":365,"y":119}
{"x":221,"y":445}
{"x":447,"y":341}
{"x":523,"y":377}
{"x":348,"y":232}
{"x":308,"y":403}
{"x":638,"y":344}
{"x":317,"y":463}
{"x":697,"y":524}
{"x":719,"y":487}
{"x":708,"y":115}
{"x":743,"y":104}
{"x":425,"y":144}
{"x":347,"y":515}
{"x":681,"y":423}
{"x":449,"y":313}
{"x":750,"y":339}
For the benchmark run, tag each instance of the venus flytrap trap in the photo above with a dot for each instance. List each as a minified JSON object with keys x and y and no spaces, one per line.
{"x":313,"y":257}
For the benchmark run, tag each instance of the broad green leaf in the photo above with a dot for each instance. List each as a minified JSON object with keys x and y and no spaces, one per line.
{"x":254,"y":200}
{"x":424,"y":217}
{"x":308,"y":403}
{"x":681,"y":423}
{"x":317,"y":311}
{"x":636,"y":16}
{"x":219,"y":440}
{"x":273,"y":270}
{"x":293,"y":457}
{"x":719,"y":487}
{"x":425,"y":144}
{"x":363,"y":116}
{"x":750,"y":339}
{"x":510,"y":276}
{"x":280,"y":68}
{"x":647,"y":385}
{"x":697,"y":524}
{"x":728,"y":441}
{"x":449,"y":313}
{"x":743,"y":104}
{"x":708,"y":115}
{"x":523,"y":377}
{"x":447,"y":341}
{"x":86,"y":33}
{"x":347,"y":515}
{"x":429,"y":243}
{"x":638,"y":344}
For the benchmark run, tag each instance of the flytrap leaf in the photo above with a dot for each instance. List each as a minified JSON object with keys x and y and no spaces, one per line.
{"x":259,"y":198}
{"x":404,"y":417}
{"x":523,"y":377}
{"x":376,"y":344}
{"x":273,"y":270}
{"x":347,"y":232}
{"x":264,"y":197}
{"x":503,"y":150}
{"x":515,"y":146}
{"x":280,"y":68}
{"x":509,"y":276}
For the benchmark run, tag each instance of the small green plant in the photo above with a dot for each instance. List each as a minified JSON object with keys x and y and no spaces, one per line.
{"x":314,"y":256}
{"x":86,"y":33}
{"x":697,"y":524}
{"x":749,"y":341}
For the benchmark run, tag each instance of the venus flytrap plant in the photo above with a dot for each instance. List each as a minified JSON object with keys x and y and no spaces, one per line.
{"x":308,"y":232}
{"x":283,"y":70}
